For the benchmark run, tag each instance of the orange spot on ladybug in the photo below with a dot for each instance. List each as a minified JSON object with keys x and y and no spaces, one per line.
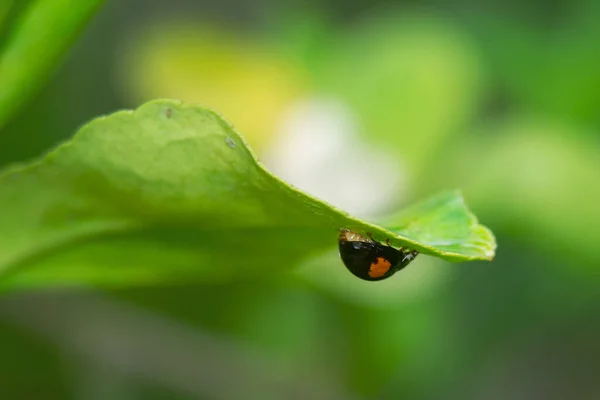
{"x":379,"y":268}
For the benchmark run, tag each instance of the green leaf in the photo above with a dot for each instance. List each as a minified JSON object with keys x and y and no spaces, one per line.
{"x":446,"y":225}
{"x":171,"y":192}
{"x":35,"y":45}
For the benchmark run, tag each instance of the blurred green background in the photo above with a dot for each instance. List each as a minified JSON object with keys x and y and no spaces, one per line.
{"x":370,"y":105}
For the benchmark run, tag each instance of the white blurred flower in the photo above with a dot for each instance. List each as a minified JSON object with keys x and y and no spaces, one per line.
{"x":318,"y":150}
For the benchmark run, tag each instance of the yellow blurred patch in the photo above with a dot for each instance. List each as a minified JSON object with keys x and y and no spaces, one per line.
{"x":236,"y":76}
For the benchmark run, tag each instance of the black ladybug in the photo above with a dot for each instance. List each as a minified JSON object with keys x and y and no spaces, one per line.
{"x":370,"y":260}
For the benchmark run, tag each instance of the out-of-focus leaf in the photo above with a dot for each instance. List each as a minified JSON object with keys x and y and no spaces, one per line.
{"x":36,"y":43}
{"x":171,"y":192}
{"x":535,"y":178}
{"x":5,"y":6}
{"x":550,"y":71}
{"x":414,"y":80}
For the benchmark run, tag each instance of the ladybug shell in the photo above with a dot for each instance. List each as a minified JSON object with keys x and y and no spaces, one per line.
{"x":370,"y":261}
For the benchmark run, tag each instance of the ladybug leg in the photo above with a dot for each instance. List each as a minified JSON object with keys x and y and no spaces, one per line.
{"x":387,"y":241}
{"x":409,"y":256}
{"x":370,"y":236}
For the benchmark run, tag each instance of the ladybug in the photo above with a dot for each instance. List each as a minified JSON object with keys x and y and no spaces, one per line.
{"x":370,"y":260}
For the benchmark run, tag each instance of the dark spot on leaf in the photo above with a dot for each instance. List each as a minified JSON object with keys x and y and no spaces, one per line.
{"x":168,"y":112}
{"x":230,"y":143}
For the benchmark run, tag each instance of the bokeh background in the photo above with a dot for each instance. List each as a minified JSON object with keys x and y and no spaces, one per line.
{"x":370,"y":105}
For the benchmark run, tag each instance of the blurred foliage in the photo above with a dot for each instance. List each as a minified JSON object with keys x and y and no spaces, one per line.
{"x":537,"y":166}
{"x":500,"y":101}
{"x":5,"y":7}
{"x":415,"y":83}
{"x":35,"y":43}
